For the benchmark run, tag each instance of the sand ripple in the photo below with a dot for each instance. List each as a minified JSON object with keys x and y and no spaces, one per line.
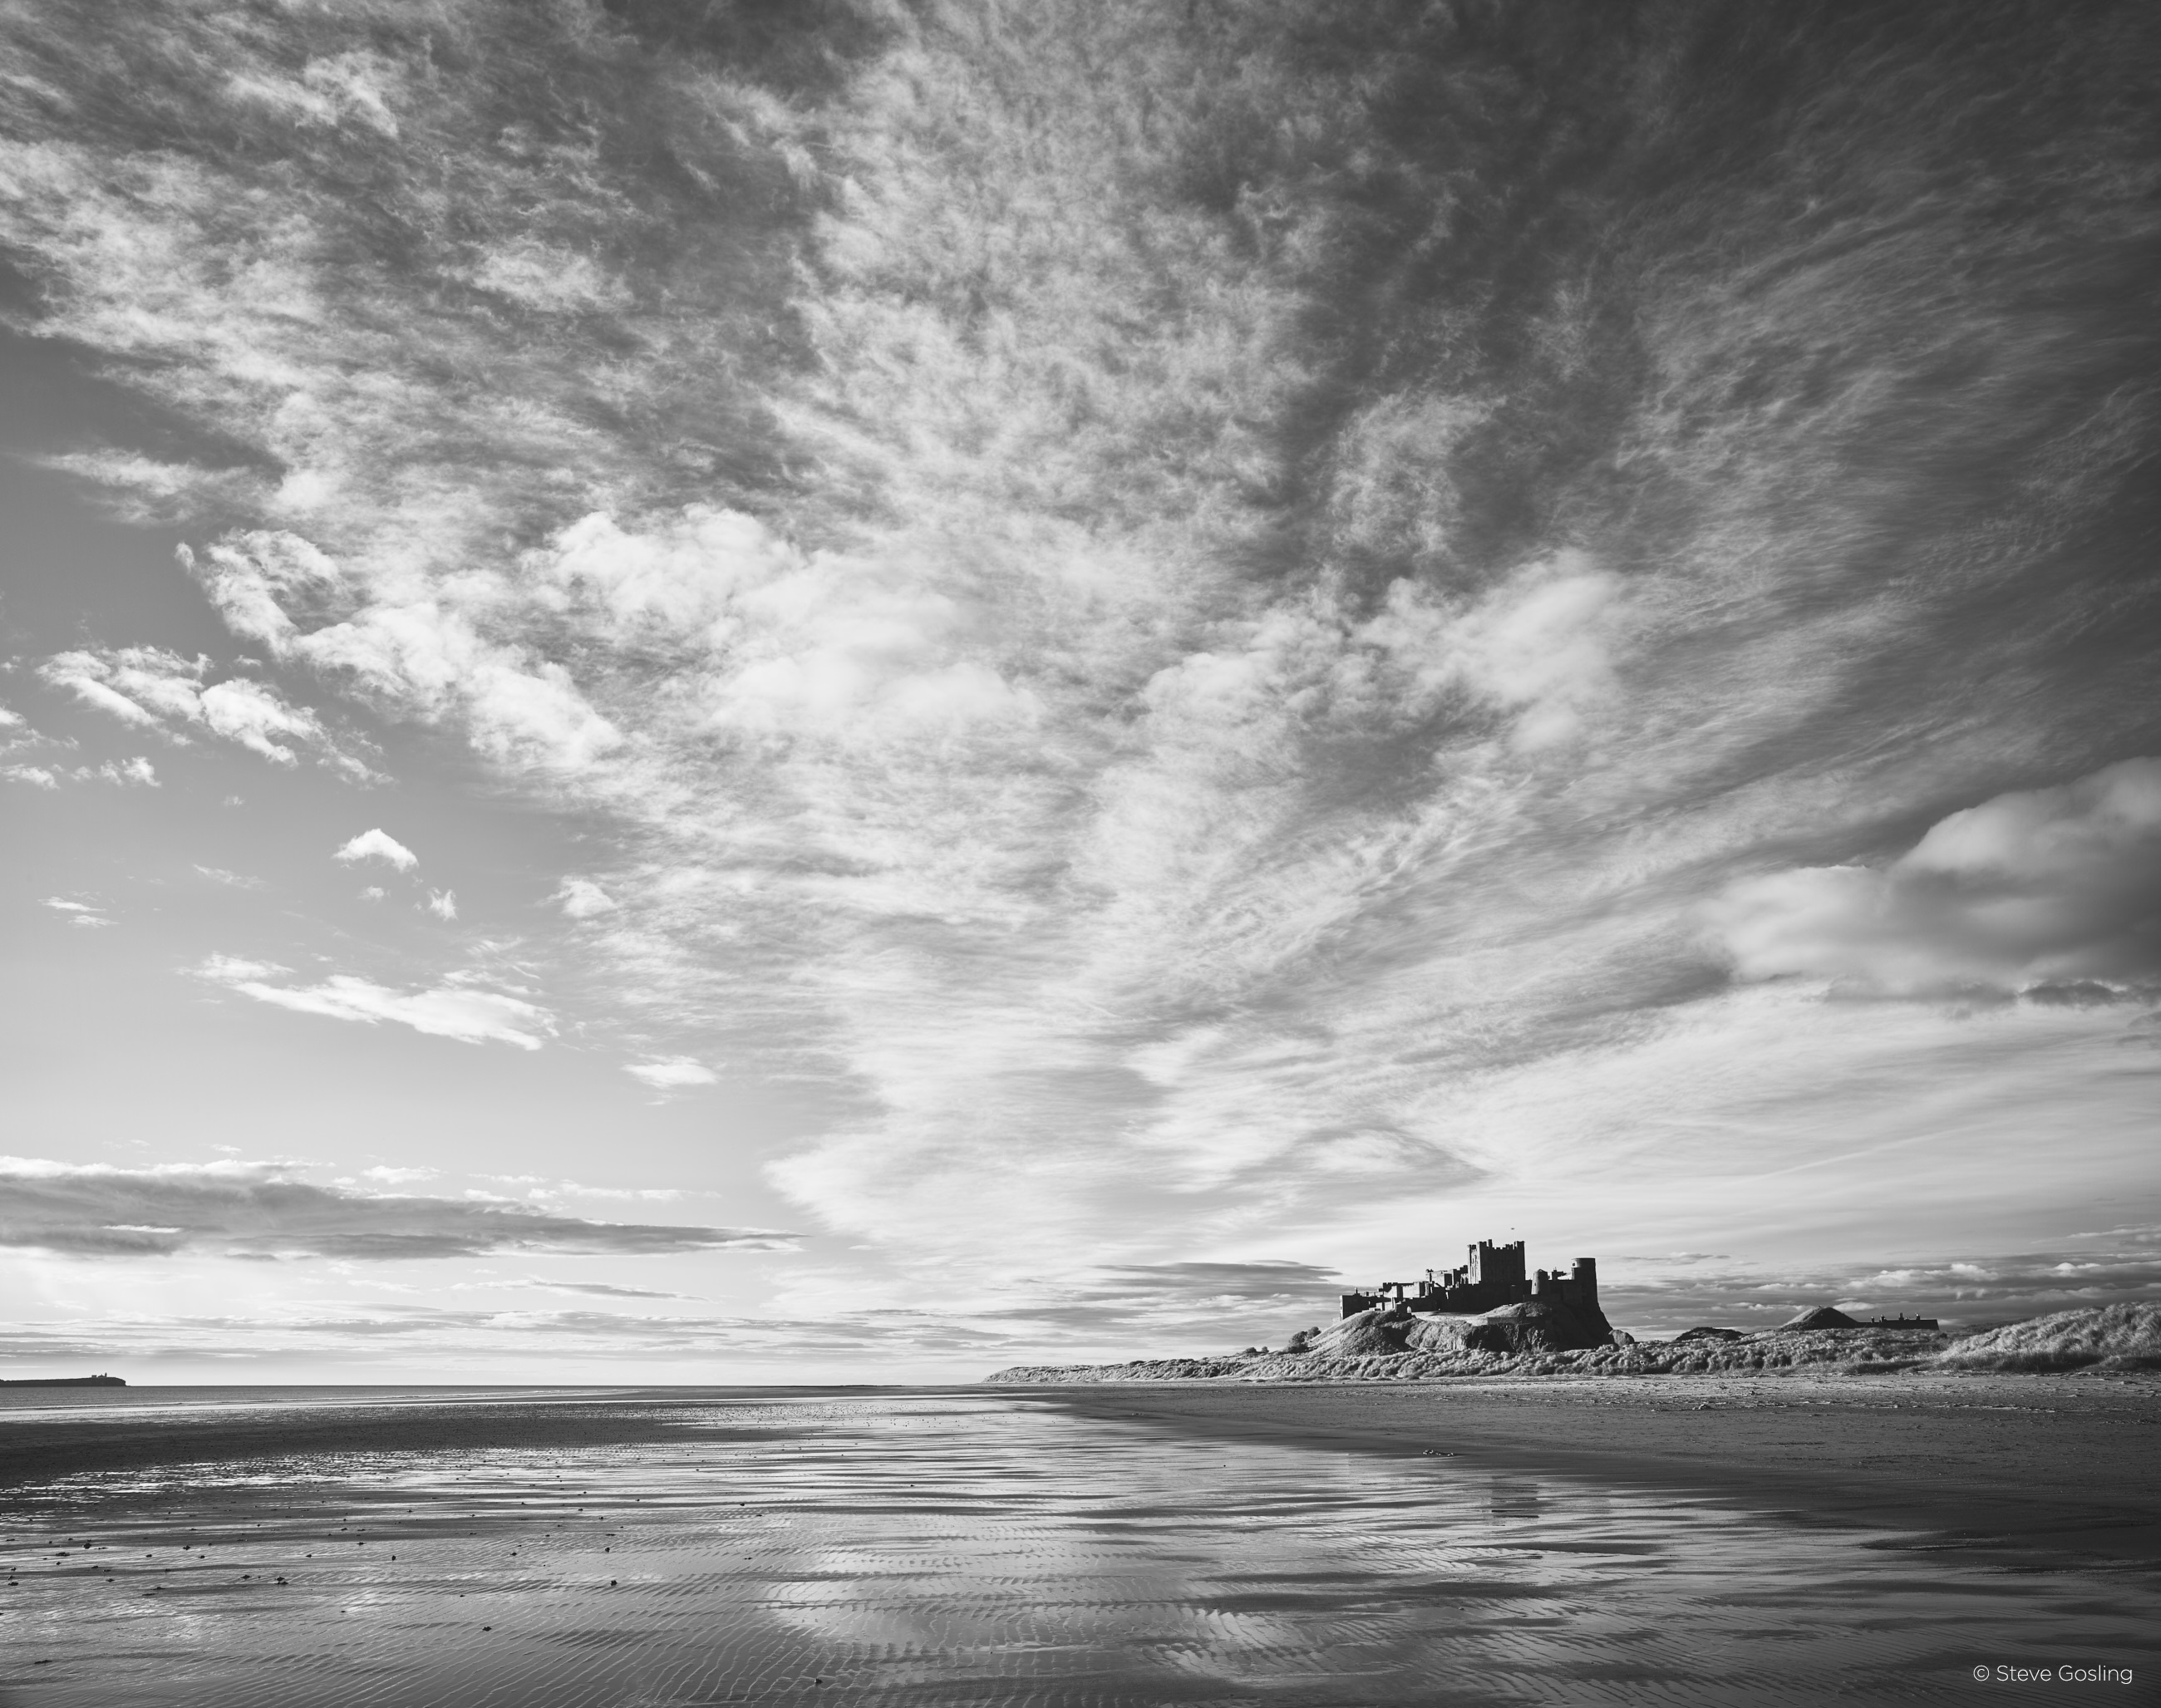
{"x":933,"y":1550}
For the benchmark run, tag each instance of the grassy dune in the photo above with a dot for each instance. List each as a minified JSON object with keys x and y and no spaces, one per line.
{"x":2123,"y":1336}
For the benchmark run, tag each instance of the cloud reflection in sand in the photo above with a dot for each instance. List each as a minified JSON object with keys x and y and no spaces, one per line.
{"x":929,"y":1549}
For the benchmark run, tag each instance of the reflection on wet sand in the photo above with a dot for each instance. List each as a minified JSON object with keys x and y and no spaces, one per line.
{"x":932,"y":1549}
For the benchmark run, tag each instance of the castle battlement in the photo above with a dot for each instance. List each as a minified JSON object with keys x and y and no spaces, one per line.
{"x":1489,"y":1276}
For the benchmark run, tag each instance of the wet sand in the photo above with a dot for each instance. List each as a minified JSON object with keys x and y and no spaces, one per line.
{"x":2048,"y":1469}
{"x":60,"y":1434}
{"x":1107,"y":1548}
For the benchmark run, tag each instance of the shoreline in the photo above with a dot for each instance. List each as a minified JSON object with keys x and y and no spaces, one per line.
{"x":2058,"y":1470}
{"x":2030,"y":1471}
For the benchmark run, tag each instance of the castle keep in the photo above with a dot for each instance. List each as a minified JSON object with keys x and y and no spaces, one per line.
{"x":1492,"y":1277}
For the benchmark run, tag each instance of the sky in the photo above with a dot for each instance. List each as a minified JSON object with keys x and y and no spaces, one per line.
{"x":721,"y":692}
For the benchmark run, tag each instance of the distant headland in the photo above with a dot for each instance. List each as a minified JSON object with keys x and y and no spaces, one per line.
{"x":62,"y":1381}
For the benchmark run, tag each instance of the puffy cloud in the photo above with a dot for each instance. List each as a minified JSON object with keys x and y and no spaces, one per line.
{"x":671,"y":1073}
{"x":377,"y":844}
{"x":443,"y":903}
{"x":154,"y":688}
{"x":1541,"y":645}
{"x":136,"y":772}
{"x":2041,"y":888}
{"x":581,"y":899}
{"x":427,"y":655}
{"x":258,"y":719}
{"x":262,"y":1209}
{"x":450,"y":1010}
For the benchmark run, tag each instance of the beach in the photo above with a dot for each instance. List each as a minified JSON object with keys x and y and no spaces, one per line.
{"x":2053,"y":1467}
{"x":1796,"y":1542}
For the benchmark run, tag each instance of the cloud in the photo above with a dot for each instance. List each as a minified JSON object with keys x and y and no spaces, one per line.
{"x":443,"y":903}
{"x":1962,"y":1291}
{"x":581,"y":899}
{"x":137,"y":771}
{"x":232,"y":880}
{"x":670,"y":1073}
{"x":1173,"y":1306}
{"x":2042,"y":889}
{"x":452,"y":1339}
{"x":429,"y":656}
{"x":378,"y":844}
{"x":599,"y":1290}
{"x":156,"y":689}
{"x":1183,"y":745}
{"x":78,"y":913}
{"x":243,"y":1209}
{"x":462,"y":1012}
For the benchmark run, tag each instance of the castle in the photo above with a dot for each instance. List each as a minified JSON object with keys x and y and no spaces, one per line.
{"x":1492,"y":1277}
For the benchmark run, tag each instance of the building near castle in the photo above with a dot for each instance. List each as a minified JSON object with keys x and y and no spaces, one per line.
{"x":1491,"y":1277}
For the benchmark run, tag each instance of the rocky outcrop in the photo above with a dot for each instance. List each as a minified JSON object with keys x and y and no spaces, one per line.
{"x":1532,"y":1325}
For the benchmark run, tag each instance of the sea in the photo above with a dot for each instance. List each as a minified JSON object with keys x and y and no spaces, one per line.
{"x":939,"y":1548}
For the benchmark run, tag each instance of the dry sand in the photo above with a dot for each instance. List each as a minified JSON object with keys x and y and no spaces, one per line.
{"x":2033,"y":1469}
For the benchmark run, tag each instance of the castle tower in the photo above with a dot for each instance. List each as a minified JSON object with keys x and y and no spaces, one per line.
{"x":1497,"y":1266}
{"x":1584,"y":1272}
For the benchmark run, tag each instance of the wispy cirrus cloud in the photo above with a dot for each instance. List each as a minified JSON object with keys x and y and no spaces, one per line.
{"x":1109,"y":608}
{"x":600,"y":1290}
{"x":468,"y":1012}
{"x":452,"y":1340}
{"x":249,"y":1209}
{"x":671,"y":1073}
